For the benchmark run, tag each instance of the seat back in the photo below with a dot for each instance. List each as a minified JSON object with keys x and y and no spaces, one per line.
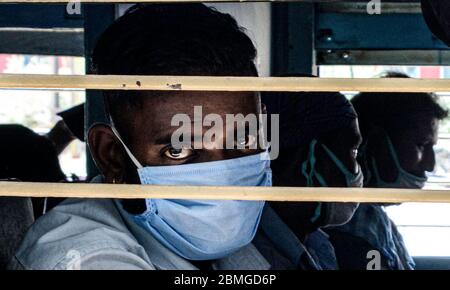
{"x":16,"y":216}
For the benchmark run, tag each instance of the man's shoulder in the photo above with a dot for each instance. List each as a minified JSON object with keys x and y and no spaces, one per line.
{"x":81,"y":232}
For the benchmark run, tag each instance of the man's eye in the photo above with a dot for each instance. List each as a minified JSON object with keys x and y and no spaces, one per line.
{"x":354,"y":153}
{"x":177,"y":154}
{"x":246,"y":142}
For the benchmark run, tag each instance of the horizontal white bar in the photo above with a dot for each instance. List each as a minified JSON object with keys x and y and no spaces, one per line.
{"x":122,"y":191}
{"x":208,"y":83}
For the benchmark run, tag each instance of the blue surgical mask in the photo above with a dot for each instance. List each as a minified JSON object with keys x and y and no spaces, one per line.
{"x":204,"y":229}
{"x":404,"y":178}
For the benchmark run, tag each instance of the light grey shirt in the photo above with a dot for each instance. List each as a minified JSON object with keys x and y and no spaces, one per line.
{"x":98,"y":234}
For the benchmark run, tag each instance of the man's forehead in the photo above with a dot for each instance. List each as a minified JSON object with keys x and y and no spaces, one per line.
{"x":157,"y":111}
{"x":167,"y":104}
{"x":423,"y":127}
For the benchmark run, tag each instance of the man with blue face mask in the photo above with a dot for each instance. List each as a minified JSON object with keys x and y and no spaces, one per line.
{"x":319,"y":138}
{"x":399,"y":131}
{"x":136,"y":148}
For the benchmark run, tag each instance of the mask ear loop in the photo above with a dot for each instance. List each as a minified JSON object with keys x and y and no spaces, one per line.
{"x":340,"y":165}
{"x":338,"y":162}
{"x":44,"y":209}
{"x":393,"y":152}
{"x":393,"y":157}
{"x":397,"y":162}
{"x":309,"y":177}
{"x":373,"y":165}
{"x":309,"y":161}
{"x":116,"y":133}
{"x":312,"y":166}
{"x":314,"y":172}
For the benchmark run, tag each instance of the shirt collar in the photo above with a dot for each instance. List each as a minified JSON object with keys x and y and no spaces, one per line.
{"x":286,"y":242}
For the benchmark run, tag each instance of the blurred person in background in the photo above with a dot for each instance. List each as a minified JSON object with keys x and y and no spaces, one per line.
{"x":399,"y":131}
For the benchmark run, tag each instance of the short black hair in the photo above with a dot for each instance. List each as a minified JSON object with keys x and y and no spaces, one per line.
{"x":167,"y":39}
{"x":394,"y":111}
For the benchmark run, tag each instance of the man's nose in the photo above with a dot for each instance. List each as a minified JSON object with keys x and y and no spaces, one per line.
{"x":429,"y":160}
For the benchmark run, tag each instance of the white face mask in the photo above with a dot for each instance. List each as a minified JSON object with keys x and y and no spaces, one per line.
{"x":404,"y":178}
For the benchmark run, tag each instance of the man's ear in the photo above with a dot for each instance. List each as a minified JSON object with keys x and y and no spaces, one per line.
{"x":263,"y":108}
{"x":107,"y":152}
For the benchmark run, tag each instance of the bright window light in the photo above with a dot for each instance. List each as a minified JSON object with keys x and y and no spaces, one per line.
{"x":36,"y":109}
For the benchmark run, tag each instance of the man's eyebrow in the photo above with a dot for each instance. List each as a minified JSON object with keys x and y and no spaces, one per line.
{"x":164,"y":138}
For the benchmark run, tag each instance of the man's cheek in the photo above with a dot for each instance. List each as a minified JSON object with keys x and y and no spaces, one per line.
{"x":411,"y":159}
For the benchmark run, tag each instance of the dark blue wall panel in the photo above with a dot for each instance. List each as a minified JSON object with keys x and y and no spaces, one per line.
{"x":38,"y":16}
{"x":363,"y":31}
